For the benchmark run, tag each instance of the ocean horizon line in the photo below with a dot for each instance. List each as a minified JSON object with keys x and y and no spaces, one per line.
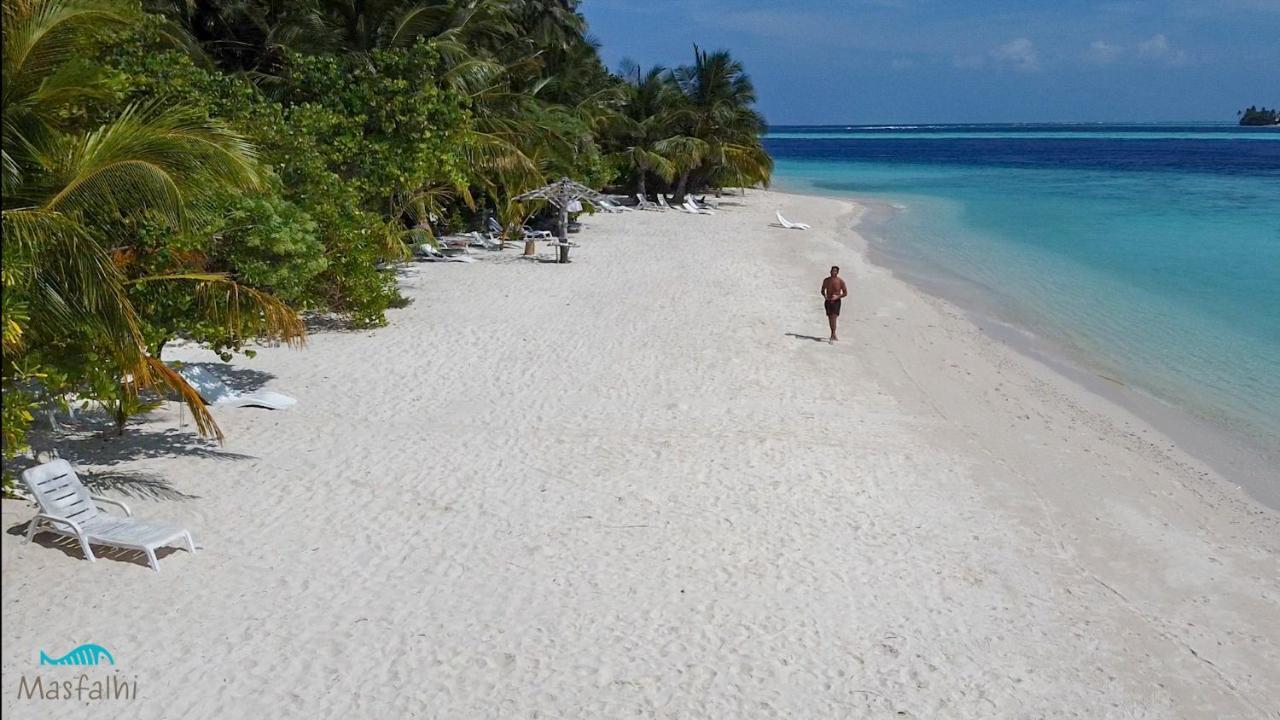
{"x":1015,"y":123}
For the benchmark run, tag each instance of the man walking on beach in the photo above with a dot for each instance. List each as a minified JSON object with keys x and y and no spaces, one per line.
{"x":833,"y":290}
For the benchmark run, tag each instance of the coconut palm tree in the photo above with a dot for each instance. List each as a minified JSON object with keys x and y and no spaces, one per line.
{"x":718,"y":111}
{"x":646,"y":127}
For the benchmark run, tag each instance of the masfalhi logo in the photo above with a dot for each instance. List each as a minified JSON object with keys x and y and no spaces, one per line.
{"x":87,"y":654}
{"x":86,"y":686}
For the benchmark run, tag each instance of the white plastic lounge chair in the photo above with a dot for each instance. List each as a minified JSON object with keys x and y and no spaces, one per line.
{"x":694,"y":203}
{"x":430,"y":253}
{"x":527,"y":233}
{"x":488,"y":242}
{"x":215,"y":392}
{"x":692,"y":207}
{"x":662,"y":201}
{"x":788,"y":224}
{"x":645,"y":204}
{"x":67,"y":509}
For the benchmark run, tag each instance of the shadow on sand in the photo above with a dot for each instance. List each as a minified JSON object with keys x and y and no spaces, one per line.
{"x":239,"y":379}
{"x":71,"y":547}
{"x":814,"y":338}
{"x":92,"y":441}
{"x":324,"y":323}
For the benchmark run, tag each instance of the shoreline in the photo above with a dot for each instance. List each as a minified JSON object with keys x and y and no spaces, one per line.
{"x":1234,"y":462}
{"x":641,"y":484}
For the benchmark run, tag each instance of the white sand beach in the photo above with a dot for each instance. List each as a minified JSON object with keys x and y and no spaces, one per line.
{"x":638,"y":485}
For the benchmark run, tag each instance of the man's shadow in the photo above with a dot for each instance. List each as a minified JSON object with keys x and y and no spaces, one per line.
{"x":814,"y":338}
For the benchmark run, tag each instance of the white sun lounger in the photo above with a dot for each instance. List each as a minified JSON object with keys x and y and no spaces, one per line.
{"x":526,"y":232}
{"x":611,"y":207}
{"x":495,"y":227}
{"x":488,"y":242}
{"x":67,"y":509}
{"x":215,"y":392}
{"x":645,"y":204}
{"x":690,"y":206}
{"x":428,"y":252}
{"x":788,"y":224}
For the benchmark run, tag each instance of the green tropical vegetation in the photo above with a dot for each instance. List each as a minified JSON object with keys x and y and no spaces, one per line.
{"x":1259,"y":116}
{"x":216,"y":170}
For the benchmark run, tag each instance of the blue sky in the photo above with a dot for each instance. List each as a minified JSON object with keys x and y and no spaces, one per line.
{"x":872,"y":61}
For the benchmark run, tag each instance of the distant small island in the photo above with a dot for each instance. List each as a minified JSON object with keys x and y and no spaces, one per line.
{"x":1259,"y":116}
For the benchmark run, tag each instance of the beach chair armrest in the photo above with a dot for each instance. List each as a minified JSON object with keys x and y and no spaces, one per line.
{"x":75,"y":527}
{"x":108,"y":501}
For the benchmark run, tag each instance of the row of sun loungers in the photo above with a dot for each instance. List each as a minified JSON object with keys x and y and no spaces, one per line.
{"x":689,"y":205}
{"x":695,"y":207}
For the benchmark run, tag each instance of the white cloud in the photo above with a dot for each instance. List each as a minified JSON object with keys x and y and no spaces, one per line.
{"x":1155,"y":49}
{"x":1019,"y":54}
{"x":1159,"y":48}
{"x":968,"y":62}
{"x":1102,"y":52}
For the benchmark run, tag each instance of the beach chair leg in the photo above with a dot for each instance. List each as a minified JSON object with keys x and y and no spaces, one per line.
{"x":151,"y":559}
{"x":191,"y":544}
{"x":84,"y":545}
{"x":33,"y":527}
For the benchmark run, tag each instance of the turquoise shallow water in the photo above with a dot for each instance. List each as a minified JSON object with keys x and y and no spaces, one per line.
{"x":1148,"y":255}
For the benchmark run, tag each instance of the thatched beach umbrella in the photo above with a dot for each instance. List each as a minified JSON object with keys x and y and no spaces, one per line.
{"x":563,"y":193}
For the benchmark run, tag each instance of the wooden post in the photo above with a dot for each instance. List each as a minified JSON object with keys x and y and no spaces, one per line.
{"x":564,"y":230}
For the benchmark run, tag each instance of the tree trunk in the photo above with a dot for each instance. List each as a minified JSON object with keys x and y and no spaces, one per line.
{"x":643,"y":194}
{"x":122,"y":413}
{"x":680,"y":185}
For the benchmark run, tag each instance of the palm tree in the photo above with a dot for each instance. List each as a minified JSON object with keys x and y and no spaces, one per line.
{"x":361,"y":26}
{"x":719,"y":96}
{"x":646,"y":125}
{"x":66,"y":190}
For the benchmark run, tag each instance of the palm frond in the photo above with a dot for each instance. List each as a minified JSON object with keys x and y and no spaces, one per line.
{"x":72,"y":281}
{"x":156,"y":373}
{"x":243,"y":312}
{"x":420,"y":21}
{"x":685,"y":151}
{"x":147,"y":159}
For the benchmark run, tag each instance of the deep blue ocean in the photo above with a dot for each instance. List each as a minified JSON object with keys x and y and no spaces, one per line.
{"x":1146,"y":253}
